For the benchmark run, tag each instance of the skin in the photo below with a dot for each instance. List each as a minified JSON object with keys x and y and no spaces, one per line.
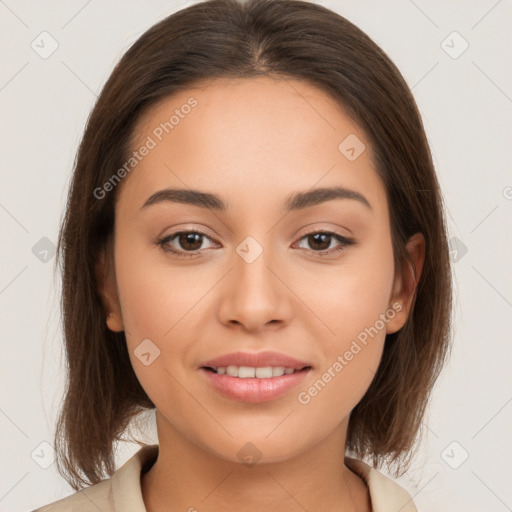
{"x":253,"y":142}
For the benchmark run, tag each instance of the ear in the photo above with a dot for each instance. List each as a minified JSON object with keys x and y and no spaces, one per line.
{"x":406,"y":282}
{"x":107,"y":288}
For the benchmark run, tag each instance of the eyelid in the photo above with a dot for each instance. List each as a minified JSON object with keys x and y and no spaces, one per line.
{"x":314,"y":228}
{"x":326,"y":227}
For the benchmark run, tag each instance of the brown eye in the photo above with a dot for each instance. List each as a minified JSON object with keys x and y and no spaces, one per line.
{"x":184,"y":243}
{"x":319,"y":241}
{"x":190,"y":241}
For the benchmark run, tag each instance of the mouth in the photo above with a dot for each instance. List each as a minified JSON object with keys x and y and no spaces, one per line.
{"x":251,"y":372}
{"x":254,"y":385}
{"x":254,"y":377}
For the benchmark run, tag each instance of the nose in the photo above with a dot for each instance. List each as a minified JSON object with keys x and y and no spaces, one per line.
{"x":254,"y":294}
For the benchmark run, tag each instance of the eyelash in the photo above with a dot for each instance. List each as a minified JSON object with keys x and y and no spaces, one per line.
{"x":162,"y":243}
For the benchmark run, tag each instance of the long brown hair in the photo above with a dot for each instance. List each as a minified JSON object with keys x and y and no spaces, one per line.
{"x":227,"y":38}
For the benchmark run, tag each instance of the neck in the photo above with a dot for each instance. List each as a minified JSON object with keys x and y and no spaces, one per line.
{"x":186,"y":477}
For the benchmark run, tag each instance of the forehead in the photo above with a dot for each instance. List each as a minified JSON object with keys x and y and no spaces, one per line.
{"x":242,"y":107}
{"x":250,"y":136}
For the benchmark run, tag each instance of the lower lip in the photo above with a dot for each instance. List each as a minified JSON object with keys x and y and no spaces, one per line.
{"x":254,"y":390}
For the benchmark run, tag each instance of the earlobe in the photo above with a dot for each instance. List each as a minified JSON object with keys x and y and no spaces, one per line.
{"x":406,"y":282}
{"x":107,"y":289}
{"x":114,"y":322}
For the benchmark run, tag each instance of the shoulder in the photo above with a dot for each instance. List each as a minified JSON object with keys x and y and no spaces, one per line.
{"x":91,"y":499}
{"x":120,"y":492}
{"x":385,"y":493}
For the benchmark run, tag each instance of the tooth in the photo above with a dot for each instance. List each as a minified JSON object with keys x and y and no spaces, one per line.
{"x":264,"y":373}
{"x":232,"y":371}
{"x":277,"y":371}
{"x":245,"y":372}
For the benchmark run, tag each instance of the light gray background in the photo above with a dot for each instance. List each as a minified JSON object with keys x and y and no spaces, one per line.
{"x":466,"y":106}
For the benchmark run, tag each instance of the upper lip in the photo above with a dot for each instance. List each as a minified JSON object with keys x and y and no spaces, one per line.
{"x":255,"y":360}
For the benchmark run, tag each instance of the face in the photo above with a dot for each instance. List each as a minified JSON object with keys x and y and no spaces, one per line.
{"x":267,"y":265}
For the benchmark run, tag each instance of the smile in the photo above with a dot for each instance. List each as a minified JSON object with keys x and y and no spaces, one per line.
{"x":254,"y":377}
{"x":248,"y":372}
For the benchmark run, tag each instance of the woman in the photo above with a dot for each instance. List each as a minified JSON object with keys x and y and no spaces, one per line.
{"x":254,"y":246}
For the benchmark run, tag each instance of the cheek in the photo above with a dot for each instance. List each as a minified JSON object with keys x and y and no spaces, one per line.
{"x":351,"y":360}
{"x":159,"y":304}
{"x":352,"y":302}
{"x":351,"y":297}
{"x":155,"y":297}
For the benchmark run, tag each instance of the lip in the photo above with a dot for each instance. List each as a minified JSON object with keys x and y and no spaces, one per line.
{"x":254,"y":390}
{"x":256,"y":360}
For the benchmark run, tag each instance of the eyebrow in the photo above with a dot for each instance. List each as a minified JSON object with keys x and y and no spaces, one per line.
{"x":295,"y":201}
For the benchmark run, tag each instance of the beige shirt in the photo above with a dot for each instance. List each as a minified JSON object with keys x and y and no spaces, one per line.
{"x":122,"y":492}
